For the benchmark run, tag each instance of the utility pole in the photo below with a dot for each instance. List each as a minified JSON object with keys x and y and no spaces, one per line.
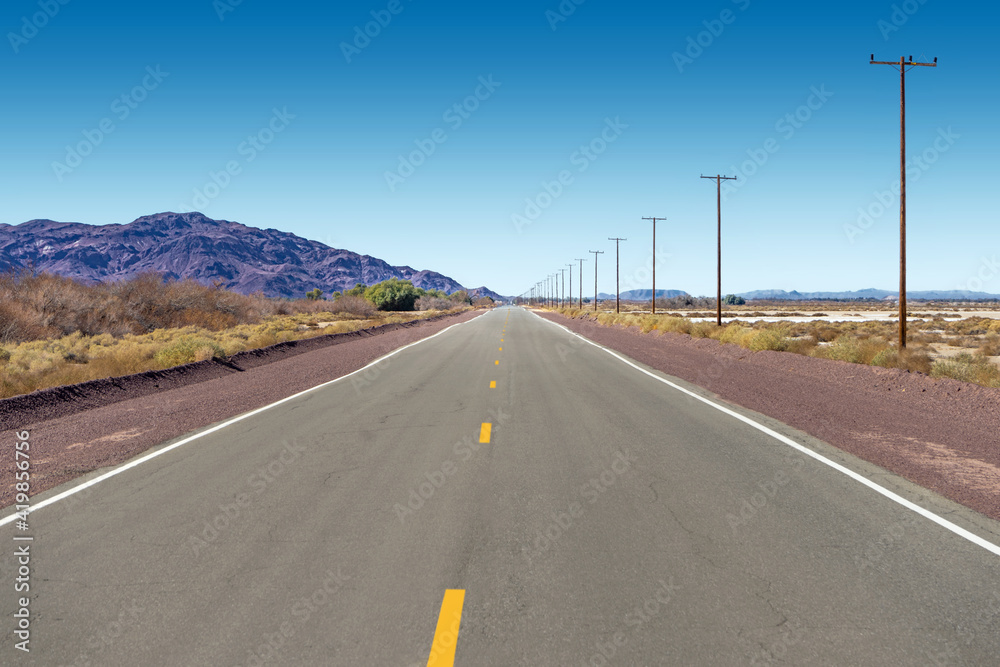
{"x":902,"y":65}
{"x":581,"y":281}
{"x":595,"y":253}
{"x":718,"y":194}
{"x":618,"y":289}
{"x":571,"y":283}
{"x":654,"y":260}
{"x":562,"y":299}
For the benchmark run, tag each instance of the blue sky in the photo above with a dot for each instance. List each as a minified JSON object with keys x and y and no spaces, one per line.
{"x":280,"y":115}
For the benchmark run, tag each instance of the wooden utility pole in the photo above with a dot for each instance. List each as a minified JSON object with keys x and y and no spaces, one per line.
{"x":595,"y":253}
{"x":562,"y":299}
{"x":654,"y":260}
{"x":571,"y":283}
{"x":618,"y":289}
{"x":902,"y":65}
{"x":581,"y":282}
{"x":718,"y":185}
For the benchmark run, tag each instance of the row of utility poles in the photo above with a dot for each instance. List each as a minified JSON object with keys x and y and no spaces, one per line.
{"x":544,"y":291}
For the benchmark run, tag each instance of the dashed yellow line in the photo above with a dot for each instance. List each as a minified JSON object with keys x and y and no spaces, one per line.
{"x":493,"y":384}
{"x":496,"y":363}
{"x":501,"y":349}
{"x":448,"y":625}
{"x":485,"y":432}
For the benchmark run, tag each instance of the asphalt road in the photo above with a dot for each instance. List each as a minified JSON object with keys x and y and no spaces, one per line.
{"x":610,"y":519}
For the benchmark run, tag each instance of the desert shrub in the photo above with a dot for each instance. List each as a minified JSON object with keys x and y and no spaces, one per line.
{"x":855,"y":350}
{"x":434,"y":303}
{"x":354,"y":305}
{"x":990,"y":346}
{"x":484,"y":302}
{"x":461,"y":297}
{"x":187,"y":350}
{"x":734,"y":333}
{"x":771,"y":338}
{"x":968,"y":368}
{"x":393,"y":294}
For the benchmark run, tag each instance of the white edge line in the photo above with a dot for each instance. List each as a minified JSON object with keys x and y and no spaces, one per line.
{"x":152,"y":455}
{"x":927,"y":514}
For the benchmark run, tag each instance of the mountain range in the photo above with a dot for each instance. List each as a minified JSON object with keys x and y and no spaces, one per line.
{"x":191,"y":245}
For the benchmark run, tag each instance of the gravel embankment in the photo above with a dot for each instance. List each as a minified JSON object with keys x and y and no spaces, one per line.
{"x":941,"y":434}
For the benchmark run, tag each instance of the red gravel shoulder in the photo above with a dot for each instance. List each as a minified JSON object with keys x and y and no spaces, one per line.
{"x":81,"y":428}
{"x":939,"y":433}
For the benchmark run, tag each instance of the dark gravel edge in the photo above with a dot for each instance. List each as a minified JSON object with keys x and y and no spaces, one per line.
{"x":54,"y":402}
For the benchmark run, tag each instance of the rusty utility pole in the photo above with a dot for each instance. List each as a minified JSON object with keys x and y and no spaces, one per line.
{"x":902,"y":65}
{"x":581,"y":281}
{"x":654,"y":260}
{"x":595,"y":253}
{"x":570,"y":284}
{"x":618,"y":289}
{"x":718,"y":185}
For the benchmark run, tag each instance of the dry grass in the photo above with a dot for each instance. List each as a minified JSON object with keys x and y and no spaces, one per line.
{"x":854,"y":342}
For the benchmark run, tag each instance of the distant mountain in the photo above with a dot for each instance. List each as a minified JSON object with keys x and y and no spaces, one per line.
{"x":643,"y":294}
{"x":870,"y":293}
{"x":191,"y":245}
{"x":478,"y":292}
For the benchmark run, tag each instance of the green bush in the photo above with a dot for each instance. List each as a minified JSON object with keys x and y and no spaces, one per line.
{"x":393,"y":294}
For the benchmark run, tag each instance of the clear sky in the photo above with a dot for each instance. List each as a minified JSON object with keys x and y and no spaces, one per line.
{"x":286,"y":115}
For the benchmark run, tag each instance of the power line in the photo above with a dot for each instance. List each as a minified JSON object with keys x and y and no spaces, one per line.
{"x":902,"y":65}
{"x":718,"y":184}
{"x":618,"y":289}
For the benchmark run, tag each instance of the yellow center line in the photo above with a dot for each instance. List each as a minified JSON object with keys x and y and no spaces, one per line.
{"x":493,"y":384}
{"x":496,"y":363}
{"x":485,"y":432}
{"x":446,"y":635}
{"x":501,"y":349}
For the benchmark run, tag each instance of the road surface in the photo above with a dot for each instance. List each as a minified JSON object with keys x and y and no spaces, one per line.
{"x":611,"y":518}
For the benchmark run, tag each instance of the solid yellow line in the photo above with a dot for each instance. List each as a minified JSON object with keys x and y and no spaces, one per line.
{"x":446,"y":635}
{"x":484,"y":433}
{"x":493,"y":384}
